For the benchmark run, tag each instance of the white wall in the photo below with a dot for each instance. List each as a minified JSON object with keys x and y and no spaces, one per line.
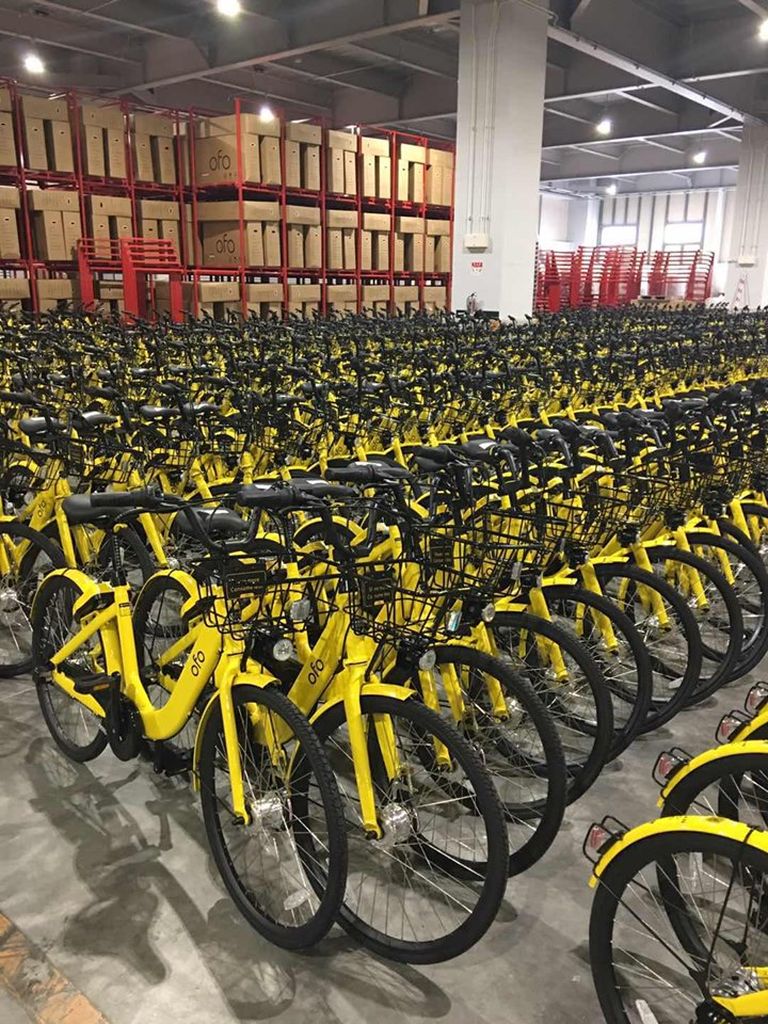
{"x":566,"y":222}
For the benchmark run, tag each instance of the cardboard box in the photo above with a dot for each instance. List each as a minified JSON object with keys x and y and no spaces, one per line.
{"x":377,"y":221}
{"x":335,"y":171}
{"x":344,"y":141}
{"x":349,"y":244}
{"x":447,"y":189}
{"x":5,"y":99}
{"x":163,"y":297}
{"x":250,"y":124}
{"x":341,"y":295}
{"x":99,"y":226}
{"x":10,"y":198}
{"x":110,"y":206}
{"x":435,"y":185}
{"x":93,"y":152}
{"x":341,"y":218}
{"x":14,"y":288}
{"x":375,"y":293}
{"x":115,"y":147}
{"x":219,"y":291}
{"x":159,"y":209}
{"x":374,"y":147}
{"x":310,"y":168}
{"x":59,"y":143}
{"x":303,"y":299}
{"x":443,"y":254}
{"x":429,"y":253}
{"x":313,"y":247}
{"x":413,"y":154}
{"x":73,"y":232}
{"x":43,"y":109}
{"x":216,"y":159}
{"x":53,"y":199}
{"x":269,"y":154}
{"x":414,"y":253}
{"x":142,"y":157}
{"x":272,"y":245}
{"x":406,"y":298}
{"x":221,"y":244}
{"x":381,"y":250}
{"x":384,"y":177}
{"x":293,"y":164}
{"x":48,"y":236}
{"x":334,"y":256}
{"x":121,"y":227}
{"x":308,"y":134}
{"x":350,"y":173}
{"x":8,"y":154}
{"x":56,"y":293}
{"x":108,"y":116}
{"x":264,"y":210}
{"x":403,"y":179}
{"x":439,"y":157}
{"x":409,"y":225}
{"x":302,"y":214}
{"x":265,"y":300}
{"x":399,"y":253}
{"x":438,"y":227}
{"x":416,"y":183}
{"x":369,"y":176}
{"x":435,"y":297}
{"x":10,"y":248}
{"x":34,"y":138}
{"x":153,"y":124}
{"x":164,"y":160}
{"x":366,"y":250}
{"x":295,"y":233}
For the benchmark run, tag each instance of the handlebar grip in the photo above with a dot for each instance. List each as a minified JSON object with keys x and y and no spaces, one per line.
{"x":126,"y":499}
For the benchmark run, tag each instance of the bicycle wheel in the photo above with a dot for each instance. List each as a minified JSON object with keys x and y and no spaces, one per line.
{"x":286,"y":869}
{"x":77,"y":731}
{"x":431,"y":886}
{"x":578,"y":703}
{"x":720,"y":623}
{"x":733,"y":786}
{"x":18,"y":586}
{"x":520,"y":748}
{"x":710,"y":890}
{"x":675,"y":649}
{"x":626,"y":667}
{"x":750,"y":585}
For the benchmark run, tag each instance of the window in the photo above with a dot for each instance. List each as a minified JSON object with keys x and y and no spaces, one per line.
{"x":619,"y":234}
{"x":684,"y":234}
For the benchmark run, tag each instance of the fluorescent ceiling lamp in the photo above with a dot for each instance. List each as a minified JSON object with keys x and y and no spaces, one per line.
{"x":266,"y":113}
{"x":762,"y":32}
{"x":228,"y":8}
{"x":33,"y":64}
{"x":611,"y":190}
{"x":604,"y":126}
{"x":700,"y":157}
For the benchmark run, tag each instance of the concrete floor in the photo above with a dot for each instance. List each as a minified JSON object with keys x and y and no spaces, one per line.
{"x":104,"y":867}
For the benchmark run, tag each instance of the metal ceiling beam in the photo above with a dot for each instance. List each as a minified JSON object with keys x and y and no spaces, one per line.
{"x":334,"y":79}
{"x":755,"y":7}
{"x":236,"y":88}
{"x":297,"y":51}
{"x":626,"y":139}
{"x":627,"y":94}
{"x":124,"y":26}
{"x":567,"y":116}
{"x":631,"y":67}
{"x":644,"y":174}
{"x":46,"y":41}
{"x":413,"y":56}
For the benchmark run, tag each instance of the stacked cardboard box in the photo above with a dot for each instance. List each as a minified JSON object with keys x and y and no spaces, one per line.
{"x":110,"y":296}
{"x":159,"y":218}
{"x":8,"y":155}
{"x":110,"y":217}
{"x":264,"y":300}
{"x":376,"y":168}
{"x":374,"y":241}
{"x":409,"y":245}
{"x":154,"y":149}
{"x":303,"y":299}
{"x":341,"y":239}
{"x":47,"y":134}
{"x":304,"y":237}
{"x":55,"y":293}
{"x":411,"y":164}
{"x":56,"y":225}
{"x":434,"y":297}
{"x":10,"y":204}
{"x":341,"y":165}
{"x":376,"y":297}
{"x":163,"y":297}
{"x":437,"y":256}
{"x":406,"y":298}
{"x":220,"y":233}
{"x":219,"y":298}
{"x":14,"y":294}
{"x":342,"y":298}
{"x":439,"y":177}
{"x":103,"y":141}
{"x":302,"y":156}
{"x":216,"y":152}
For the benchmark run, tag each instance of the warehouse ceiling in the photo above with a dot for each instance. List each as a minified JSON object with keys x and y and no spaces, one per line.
{"x":675,"y":78}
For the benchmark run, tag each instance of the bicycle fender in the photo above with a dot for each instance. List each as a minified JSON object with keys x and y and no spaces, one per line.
{"x":87,"y":585}
{"x":251,"y":679}
{"x":760,"y":721}
{"x":721,"y":827}
{"x":377,"y":689}
{"x":706,"y":757}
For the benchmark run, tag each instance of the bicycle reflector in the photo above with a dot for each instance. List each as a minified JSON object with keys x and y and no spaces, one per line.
{"x":756,"y":698}
{"x":669,"y":763}
{"x":729,"y":725}
{"x":601,"y":835}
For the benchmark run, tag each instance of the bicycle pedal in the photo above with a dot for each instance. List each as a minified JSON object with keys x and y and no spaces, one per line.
{"x":91,"y":682}
{"x":171,"y":762}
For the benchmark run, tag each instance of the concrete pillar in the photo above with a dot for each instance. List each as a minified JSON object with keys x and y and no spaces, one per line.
{"x":502,"y":69}
{"x":747,"y":282}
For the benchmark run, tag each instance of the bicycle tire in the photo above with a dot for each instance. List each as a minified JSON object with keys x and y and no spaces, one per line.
{"x":486,"y":877}
{"x":727,"y":774}
{"x":320,"y":882}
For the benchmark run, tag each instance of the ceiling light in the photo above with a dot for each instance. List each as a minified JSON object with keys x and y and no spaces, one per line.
{"x":33,"y":64}
{"x":762,"y":32}
{"x":604,"y":126}
{"x":611,"y":190}
{"x":266,"y":113}
{"x":700,"y":157}
{"x":229,"y":8}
